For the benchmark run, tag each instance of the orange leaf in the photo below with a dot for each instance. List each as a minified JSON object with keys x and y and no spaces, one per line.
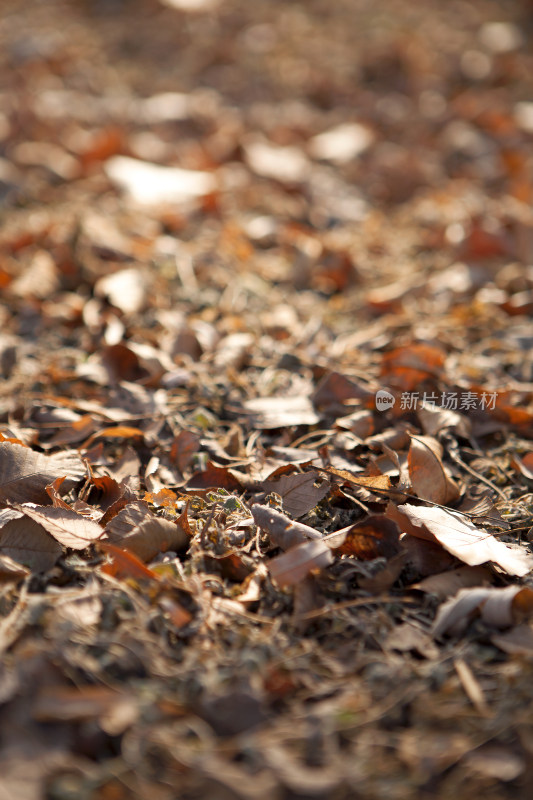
{"x":374,"y":537}
{"x":184,"y":446}
{"x":52,"y":491}
{"x":115,"y":432}
{"x":213,"y":477}
{"x":125,"y":565}
{"x":407,"y":367}
{"x":378,"y":483}
{"x":165,"y":498}
{"x":177,"y":614}
{"x":429,"y":477}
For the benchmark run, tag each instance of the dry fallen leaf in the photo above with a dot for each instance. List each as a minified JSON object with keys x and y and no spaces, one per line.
{"x":434,"y":419}
{"x":213,"y":477}
{"x":426,"y":557}
{"x":119,"y":361}
{"x":184,"y":446}
{"x":334,"y":389}
{"x":165,"y":106}
{"x":144,"y":534}
{"x":279,"y":412}
{"x":430,"y":479}
{"x":53,"y":492}
{"x":498,"y":608}
{"x":25,"y":474}
{"x":115,"y":711}
{"x":125,"y":289}
{"x":446,"y":584}
{"x":148,"y":183}
{"x":471,"y":686}
{"x":517,"y":640}
{"x":373,"y":537}
{"x":460,"y":537}
{"x":10,"y":571}
{"x":79,"y":608}
{"x":405,"y":637}
{"x":294,"y":565}
{"x":283,"y":532}
{"x":191,"y":5}
{"x":341,"y":144}
{"x":116,"y":432}
{"x":524,"y":465}
{"x":27,"y":542}
{"x":379,"y":483}
{"x":175,"y":612}
{"x":495,"y":763}
{"x":381,"y":581}
{"x":65,"y":525}
{"x":252,"y":585}
{"x":407,"y":367}
{"x":300,"y":491}
{"x":285,"y":164}
{"x":124,"y":564}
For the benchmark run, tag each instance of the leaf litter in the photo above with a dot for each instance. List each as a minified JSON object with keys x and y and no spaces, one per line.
{"x":266,"y":406}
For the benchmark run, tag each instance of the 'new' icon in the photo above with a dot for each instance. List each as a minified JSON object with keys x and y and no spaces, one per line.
{"x":384,"y":400}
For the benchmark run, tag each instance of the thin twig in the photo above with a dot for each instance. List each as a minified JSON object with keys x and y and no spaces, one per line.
{"x":207,"y":523}
{"x":359,"y":601}
{"x":490,"y":484}
{"x":393,"y":491}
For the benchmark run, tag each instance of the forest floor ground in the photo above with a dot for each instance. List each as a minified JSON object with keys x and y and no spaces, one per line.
{"x":266,"y":410}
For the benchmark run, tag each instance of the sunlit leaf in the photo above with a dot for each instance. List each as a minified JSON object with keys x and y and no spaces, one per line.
{"x":374,"y":537}
{"x":294,"y":565}
{"x":26,"y":541}
{"x":498,"y":608}
{"x":460,"y":537}
{"x":124,"y":564}
{"x":65,"y":525}
{"x":138,"y":530}
{"x":430,"y":479}
{"x":25,"y":474}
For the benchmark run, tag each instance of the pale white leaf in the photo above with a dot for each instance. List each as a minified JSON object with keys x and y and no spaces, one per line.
{"x":26,"y":542}
{"x":284,"y":164}
{"x":498,"y":608}
{"x":341,"y":144}
{"x":460,"y":537}
{"x":148,"y":183}
{"x":65,"y":525}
